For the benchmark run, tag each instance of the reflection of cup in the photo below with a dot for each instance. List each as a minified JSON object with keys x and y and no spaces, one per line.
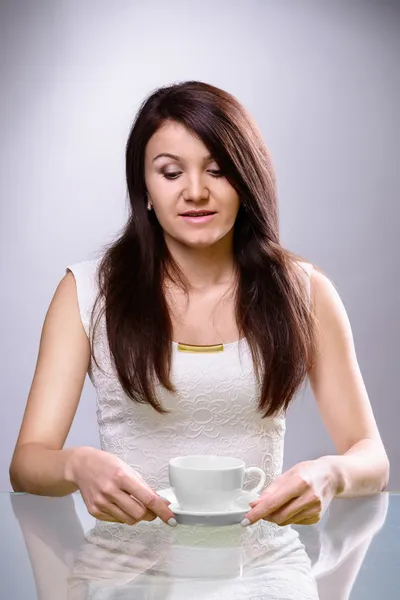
{"x":210,"y":483}
{"x":192,"y":561}
{"x":210,"y":552}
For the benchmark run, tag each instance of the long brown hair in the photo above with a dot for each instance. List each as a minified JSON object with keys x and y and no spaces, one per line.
{"x":272,"y":304}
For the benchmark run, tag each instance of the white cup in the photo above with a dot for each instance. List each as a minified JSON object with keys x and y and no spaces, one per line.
{"x":204,"y":483}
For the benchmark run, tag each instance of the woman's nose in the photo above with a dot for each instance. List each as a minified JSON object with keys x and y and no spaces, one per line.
{"x":196,"y":189}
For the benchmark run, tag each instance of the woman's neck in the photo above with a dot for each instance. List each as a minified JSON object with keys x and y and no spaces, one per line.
{"x":204,"y":267}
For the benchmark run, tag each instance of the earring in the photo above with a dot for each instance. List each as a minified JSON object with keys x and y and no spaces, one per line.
{"x":149,"y":206}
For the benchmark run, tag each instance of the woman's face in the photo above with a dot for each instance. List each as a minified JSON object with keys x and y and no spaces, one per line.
{"x":189,"y":181}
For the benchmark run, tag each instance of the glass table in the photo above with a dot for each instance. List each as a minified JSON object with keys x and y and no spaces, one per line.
{"x":52,"y":549}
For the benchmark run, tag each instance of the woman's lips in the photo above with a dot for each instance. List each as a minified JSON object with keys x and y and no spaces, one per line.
{"x":199,"y":219}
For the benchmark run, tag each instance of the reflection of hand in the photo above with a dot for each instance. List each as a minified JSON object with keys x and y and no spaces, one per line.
{"x":113,"y":491}
{"x":344,"y":538}
{"x":301,"y":496}
{"x":50,"y":524}
{"x":115,"y":566}
{"x":350,"y":523}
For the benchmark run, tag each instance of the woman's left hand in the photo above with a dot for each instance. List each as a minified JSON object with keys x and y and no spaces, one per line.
{"x":299,"y":496}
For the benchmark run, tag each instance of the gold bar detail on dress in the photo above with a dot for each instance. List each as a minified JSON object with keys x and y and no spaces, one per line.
{"x":201,"y":349}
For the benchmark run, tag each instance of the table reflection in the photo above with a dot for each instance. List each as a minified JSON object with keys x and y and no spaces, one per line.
{"x":151,"y":560}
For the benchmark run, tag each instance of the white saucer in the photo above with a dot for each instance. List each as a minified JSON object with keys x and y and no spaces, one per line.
{"x":230,"y":517}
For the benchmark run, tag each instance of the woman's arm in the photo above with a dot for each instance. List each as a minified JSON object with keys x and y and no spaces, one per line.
{"x":302,"y":494}
{"x":362,"y":466}
{"x":39,"y":464}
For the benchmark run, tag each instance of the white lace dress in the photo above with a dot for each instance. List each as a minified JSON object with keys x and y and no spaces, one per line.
{"x":213,"y":412}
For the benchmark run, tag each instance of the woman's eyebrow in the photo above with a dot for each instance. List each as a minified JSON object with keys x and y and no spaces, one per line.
{"x":179,"y":158}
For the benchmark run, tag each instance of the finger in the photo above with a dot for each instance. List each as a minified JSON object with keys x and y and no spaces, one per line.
{"x":117,"y":517}
{"x":133,"y":507}
{"x":101,"y":516}
{"x":305,"y":517}
{"x":148,"y":498}
{"x":272,"y":490}
{"x":120,"y":515}
{"x":312,"y":521}
{"x":290,"y":510}
{"x":269,"y":502}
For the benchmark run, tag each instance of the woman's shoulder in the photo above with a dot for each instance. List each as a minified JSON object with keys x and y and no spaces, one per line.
{"x":84,"y":268}
{"x":86,"y":279}
{"x":86,"y":276}
{"x":306,"y":267}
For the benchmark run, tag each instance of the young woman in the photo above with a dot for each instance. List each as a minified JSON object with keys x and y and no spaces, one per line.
{"x":197,"y":328}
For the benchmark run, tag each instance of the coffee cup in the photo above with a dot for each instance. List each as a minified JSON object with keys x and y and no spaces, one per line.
{"x":206,"y":483}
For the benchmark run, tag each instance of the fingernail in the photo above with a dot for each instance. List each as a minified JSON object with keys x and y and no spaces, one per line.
{"x":172,"y":522}
{"x":245,"y":523}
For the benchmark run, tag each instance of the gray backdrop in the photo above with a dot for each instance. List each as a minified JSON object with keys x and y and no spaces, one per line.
{"x":322,"y":80}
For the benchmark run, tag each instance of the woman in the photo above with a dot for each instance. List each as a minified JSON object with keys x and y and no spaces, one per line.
{"x":197,"y":328}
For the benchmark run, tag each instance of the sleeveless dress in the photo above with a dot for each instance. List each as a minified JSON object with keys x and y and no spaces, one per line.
{"x":214,"y":411}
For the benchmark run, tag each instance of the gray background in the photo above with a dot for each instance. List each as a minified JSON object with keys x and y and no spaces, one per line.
{"x":322,"y":80}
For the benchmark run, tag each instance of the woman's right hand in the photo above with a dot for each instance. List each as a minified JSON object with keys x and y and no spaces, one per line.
{"x":113,"y":491}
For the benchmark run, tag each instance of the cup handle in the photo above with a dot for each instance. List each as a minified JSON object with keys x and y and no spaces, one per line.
{"x":262,"y":475}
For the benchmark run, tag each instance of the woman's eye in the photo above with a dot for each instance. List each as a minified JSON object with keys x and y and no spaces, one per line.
{"x":174,"y":175}
{"x":171,"y":175}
